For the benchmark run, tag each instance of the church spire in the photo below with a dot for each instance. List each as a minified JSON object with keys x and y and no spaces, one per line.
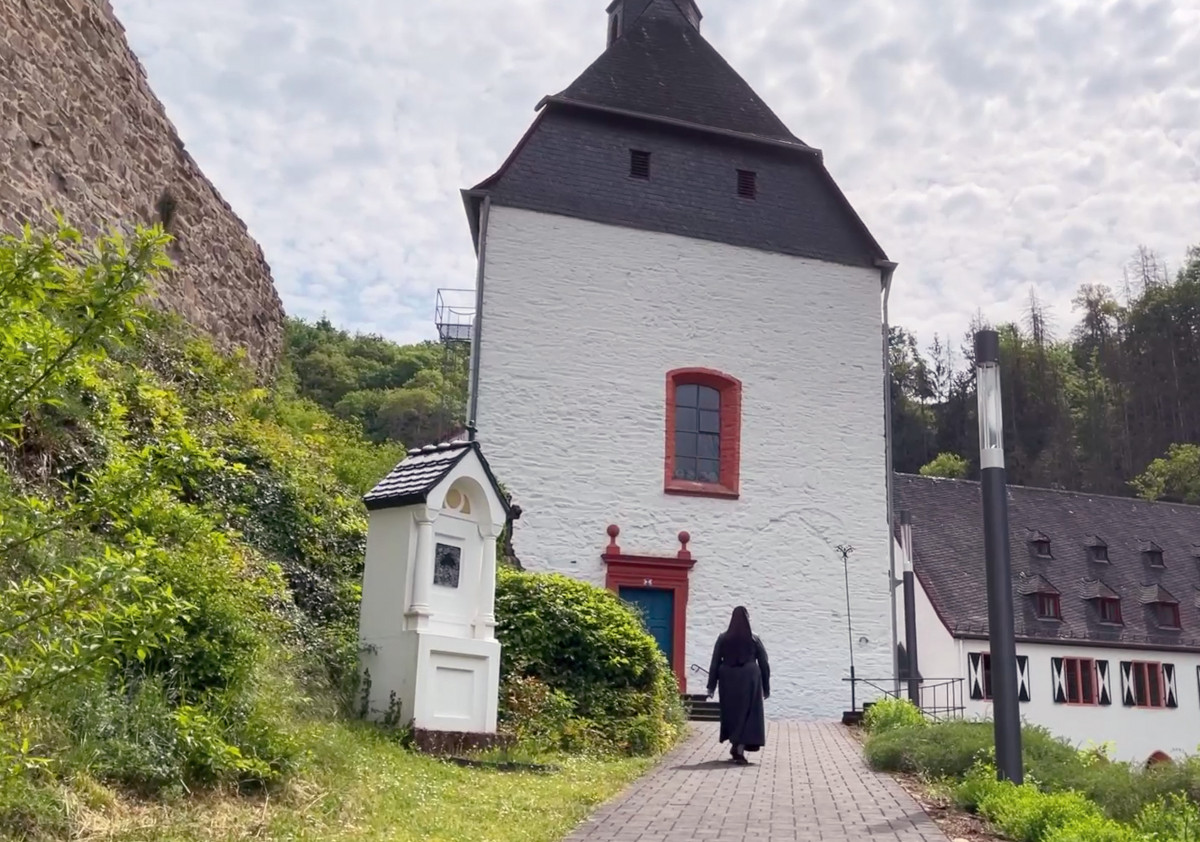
{"x":623,"y":15}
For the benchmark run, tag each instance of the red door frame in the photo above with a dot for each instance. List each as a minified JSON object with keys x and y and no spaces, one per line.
{"x":668,"y":573}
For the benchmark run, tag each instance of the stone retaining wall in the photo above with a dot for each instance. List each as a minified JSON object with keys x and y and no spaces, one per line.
{"x":82,"y":133}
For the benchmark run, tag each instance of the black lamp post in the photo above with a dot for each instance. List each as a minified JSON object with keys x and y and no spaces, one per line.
{"x":1001,"y":633}
{"x":910,"y":610}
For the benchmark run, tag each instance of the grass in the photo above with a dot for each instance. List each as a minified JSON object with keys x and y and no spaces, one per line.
{"x":359,"y":785}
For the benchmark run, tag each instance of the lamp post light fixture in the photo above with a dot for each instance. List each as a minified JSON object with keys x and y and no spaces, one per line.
{"x":1001,"y":632}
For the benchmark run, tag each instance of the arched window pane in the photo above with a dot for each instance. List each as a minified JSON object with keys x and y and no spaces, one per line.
{"x":687,"y":395}
{"x":697,"y":433}
{"x":687,"y":420}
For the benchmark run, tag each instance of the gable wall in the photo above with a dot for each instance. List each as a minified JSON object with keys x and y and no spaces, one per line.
{"x":582,"y":321}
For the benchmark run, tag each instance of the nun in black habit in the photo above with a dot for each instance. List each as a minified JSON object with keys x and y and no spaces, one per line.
{"x":741,"y":672}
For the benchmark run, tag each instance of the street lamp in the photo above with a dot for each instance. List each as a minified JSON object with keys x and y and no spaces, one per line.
{"x":845,"y":551}
{"x":1001,"y":634}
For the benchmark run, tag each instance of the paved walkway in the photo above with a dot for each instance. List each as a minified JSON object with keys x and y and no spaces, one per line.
{"x":808,"y":784}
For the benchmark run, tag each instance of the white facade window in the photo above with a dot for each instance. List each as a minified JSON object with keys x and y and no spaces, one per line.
{"x":1079,"y":681}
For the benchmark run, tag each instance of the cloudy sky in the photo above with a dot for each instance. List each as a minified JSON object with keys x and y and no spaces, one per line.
{"x":992,"y":147}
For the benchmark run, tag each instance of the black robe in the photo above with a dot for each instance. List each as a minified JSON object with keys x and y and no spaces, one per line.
{"x":742,"y":690}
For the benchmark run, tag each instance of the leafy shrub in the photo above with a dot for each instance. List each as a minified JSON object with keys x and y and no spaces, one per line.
{"x":533,"y":713}
{"x":948,"y":465}
{"x":1096,"y":830}
{"x":945,"y":750}
{"x":582,"y":643}
{"x":1026,"y":814}
{"x":180,"y":547}
{"x":1070,"y":795}
{"x":1174,"y":817}
{"x":951,"y":749}
{"x":890,"y":713}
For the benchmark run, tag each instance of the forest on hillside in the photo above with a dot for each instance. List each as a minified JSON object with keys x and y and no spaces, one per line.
{"x":415,"y":394}
{"x":1109,"y":405}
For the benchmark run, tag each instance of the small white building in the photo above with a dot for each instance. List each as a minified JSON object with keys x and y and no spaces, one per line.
{"x":1106,"y":599}
{"x":680,"y":327}
{"x":426,"y":621}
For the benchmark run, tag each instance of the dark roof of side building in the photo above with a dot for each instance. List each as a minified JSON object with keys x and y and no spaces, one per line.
{"x":947,"y":527}
{"x":661,"y":87}
{"x":419,"y":473}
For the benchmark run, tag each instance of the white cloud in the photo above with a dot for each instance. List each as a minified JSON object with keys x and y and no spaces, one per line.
{"x":991,"y":147}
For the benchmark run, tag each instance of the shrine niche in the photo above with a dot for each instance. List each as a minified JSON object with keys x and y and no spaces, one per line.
{"x":427,"y":618}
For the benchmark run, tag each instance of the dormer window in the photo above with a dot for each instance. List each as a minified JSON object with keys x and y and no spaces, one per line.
{"x":1045,"y":597}
{"x":1152,"y":553}
{"x":1110,"y":611}
{"x":1163,"y":604}
{"x":639,"y":164}
{"x":1097,"y":549}
{"x":1039,"y":542}
{"x":1049,"y":607}
{"x":614,"y":27}
{"x":1166,"y":614}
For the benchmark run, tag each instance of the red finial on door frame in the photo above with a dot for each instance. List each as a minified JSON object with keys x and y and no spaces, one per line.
{"x":684,"y":553}
{"x":612,"y":548}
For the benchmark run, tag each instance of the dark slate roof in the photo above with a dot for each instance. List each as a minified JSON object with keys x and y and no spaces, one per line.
{"x":949,"y":561}
{"x":411,"y":481}
{"x":662,"y":88}
{"x":663,"y":67}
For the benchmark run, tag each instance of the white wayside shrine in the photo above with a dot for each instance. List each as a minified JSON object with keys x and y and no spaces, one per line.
{"x":427,"y":622}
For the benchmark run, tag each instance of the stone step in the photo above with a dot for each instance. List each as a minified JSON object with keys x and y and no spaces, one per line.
{"x":700,"y":709}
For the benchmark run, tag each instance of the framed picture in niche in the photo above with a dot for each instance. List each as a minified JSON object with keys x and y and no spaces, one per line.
{"x":447,"y":562}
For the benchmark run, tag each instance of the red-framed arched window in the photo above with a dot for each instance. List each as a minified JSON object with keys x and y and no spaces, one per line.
{"x":703,"y":433}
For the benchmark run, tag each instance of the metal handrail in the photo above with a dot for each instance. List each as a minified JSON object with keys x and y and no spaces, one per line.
{"x":698,"y":668}
{"x":949,"y":690}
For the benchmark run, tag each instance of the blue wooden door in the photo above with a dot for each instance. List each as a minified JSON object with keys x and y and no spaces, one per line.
{"x":657,"y":607}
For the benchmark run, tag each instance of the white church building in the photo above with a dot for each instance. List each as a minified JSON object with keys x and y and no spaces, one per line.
{"x":1106,"y":602}
{"x":680,"y":327}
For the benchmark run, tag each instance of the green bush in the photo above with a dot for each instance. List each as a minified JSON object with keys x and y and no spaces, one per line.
{"x":1027,"y":814}
{"x":1097,"y":830}
{"x":951,"y":749}
{"x":1174,"y":817}
{"x":1069,"y":795}
{"x":591,"y":652}
{"x":945,"y":750}
{"x":891,"y":713}
{"x":181,"y":549}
